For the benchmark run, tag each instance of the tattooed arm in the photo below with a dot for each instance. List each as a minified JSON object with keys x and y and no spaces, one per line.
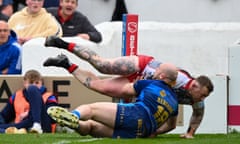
{"x":196,"y":118}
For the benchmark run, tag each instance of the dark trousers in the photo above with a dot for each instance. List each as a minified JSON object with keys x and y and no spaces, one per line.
{"x":37,"y":113}
{"x":119,"y":10}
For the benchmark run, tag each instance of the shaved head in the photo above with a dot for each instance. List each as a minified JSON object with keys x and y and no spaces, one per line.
{"x":167,"y":72}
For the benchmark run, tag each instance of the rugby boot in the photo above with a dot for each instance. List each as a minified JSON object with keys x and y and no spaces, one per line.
{"x":63,"y":117}
{"x":60,"y":61}
{"x":54,"y":41}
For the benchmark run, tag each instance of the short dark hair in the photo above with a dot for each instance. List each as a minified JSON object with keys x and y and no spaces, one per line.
{"x":205,"y":81}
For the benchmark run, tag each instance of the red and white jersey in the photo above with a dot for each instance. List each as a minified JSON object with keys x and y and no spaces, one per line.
{"x":148,"y":66}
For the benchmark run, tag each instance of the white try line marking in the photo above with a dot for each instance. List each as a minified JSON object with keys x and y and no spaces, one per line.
{"x":82,"y":140}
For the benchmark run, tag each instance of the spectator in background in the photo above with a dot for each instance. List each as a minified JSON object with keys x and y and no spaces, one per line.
{"x":28,"y":107}
{"x":119,"y":10}
{"x":18,"y":4}
{"x":73,"y":22}
{"x":33,"y":21}
{"x":51,"y":3}
{"x":6,"y":9}
{"x":10,"y":51}
{"x":3,"y":17}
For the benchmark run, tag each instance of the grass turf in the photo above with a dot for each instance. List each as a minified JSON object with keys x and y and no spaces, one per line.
{"x":73,"y":138}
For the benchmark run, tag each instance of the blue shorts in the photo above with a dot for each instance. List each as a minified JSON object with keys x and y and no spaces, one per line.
{"x":132,"y":121}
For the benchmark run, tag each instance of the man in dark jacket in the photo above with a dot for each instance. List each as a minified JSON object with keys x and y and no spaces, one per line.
{"x":73,"y":22}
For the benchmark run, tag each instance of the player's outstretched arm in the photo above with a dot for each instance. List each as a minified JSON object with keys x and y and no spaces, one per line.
{"x":195,"y":121}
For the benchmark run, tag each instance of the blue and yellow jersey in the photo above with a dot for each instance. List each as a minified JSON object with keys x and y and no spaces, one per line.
{"x":157,"y":98}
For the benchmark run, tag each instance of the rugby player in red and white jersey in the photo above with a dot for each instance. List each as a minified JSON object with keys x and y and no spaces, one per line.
{"x":132,"y":68}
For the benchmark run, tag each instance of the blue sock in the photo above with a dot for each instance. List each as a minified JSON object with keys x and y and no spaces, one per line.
{"x":77,"y":113}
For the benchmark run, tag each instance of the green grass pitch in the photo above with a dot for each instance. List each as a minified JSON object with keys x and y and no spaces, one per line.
{"x":73,"y":138}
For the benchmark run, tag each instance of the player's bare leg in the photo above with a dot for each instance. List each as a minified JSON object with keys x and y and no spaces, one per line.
{"x":94,"y":129}
{"x":108,"y":86}
{"x":121,"y":66}
{"x":102,"y":115}
{"x":88,"y":127}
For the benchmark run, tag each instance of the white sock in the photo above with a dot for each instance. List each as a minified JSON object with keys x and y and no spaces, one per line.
{"x":37,"y":124}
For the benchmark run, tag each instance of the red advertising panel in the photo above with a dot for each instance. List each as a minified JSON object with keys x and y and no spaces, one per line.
{"x":130,"y":34}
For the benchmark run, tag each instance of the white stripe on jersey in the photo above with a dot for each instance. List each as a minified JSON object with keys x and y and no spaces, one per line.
{"x":182,"y":80}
